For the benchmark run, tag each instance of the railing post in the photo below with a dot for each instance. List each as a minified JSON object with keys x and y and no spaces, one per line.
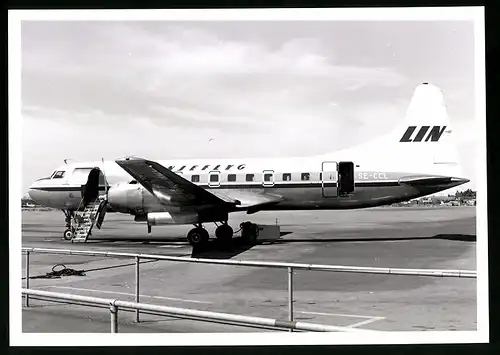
{"x":290,"y":295}
{"x":137,"y":263}
{"x":114,"y":317}
{"x":27,"y":297}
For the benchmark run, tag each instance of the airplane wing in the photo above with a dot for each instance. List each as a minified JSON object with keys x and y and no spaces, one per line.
{"x":168,"y":187}
{"x":171,"y":189}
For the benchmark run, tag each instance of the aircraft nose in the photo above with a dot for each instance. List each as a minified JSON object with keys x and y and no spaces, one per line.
{"x":34,"y":194}
{"x":30,"y":194}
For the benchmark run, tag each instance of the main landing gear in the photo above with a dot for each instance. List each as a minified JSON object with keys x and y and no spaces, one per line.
{"x":224,"y":233}
{"x":198,"y":236}
{"x":68,"y":233}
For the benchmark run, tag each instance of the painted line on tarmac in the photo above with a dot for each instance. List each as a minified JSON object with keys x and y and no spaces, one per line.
{"x":126,"y":294}
{"x":337,"y":314}
{"x":368,"y":321}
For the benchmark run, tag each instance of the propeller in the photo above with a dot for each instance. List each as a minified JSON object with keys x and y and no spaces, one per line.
{"x":105,"y":180}
{"x":104,"y":207}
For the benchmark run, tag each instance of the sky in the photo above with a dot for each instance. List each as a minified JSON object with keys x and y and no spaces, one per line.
{"x":170,"y":90}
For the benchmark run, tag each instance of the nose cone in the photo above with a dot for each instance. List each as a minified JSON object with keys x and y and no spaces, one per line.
{"x":35,"y":194}
{"x":30,"y":195}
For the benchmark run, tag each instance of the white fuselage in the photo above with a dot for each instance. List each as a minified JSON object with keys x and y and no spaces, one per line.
{"x":304,"y":183}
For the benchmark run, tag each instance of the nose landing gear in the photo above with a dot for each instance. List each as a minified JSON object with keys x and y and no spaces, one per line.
{"x":68,"y":234}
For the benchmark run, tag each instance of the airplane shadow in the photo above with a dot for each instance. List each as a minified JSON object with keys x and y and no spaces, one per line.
{"x":216,"y":250}
{"x":459,"y":237}
{"x":162,"y":240}
{"x":450,"y":236}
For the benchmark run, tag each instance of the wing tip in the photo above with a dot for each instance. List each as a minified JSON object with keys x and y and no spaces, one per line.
{"x":129,"y":158}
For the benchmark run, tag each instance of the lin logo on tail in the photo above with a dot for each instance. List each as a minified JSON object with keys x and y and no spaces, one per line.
{"x":433,"y":135}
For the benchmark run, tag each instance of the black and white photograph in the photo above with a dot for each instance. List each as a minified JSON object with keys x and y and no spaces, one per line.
{"x":272,"y":175}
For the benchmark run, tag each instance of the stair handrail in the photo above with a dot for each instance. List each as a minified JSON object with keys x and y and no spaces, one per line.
{"x":76,"y":213}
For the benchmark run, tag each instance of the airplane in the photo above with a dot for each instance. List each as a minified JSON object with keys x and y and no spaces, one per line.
{"x":416,"y":159}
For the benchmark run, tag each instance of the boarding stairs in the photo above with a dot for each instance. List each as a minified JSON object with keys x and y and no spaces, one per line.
{"x":93,"y":213}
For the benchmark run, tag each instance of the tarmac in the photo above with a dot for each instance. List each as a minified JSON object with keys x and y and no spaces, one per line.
{"x":405,"y":237}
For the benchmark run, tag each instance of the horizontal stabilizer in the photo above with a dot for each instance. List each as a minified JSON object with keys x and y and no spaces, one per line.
{"x":430,"y":180}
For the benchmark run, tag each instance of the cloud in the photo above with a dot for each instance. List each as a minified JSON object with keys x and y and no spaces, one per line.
{"x":184,"y":76}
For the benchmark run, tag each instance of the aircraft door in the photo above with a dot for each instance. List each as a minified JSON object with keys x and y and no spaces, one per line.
{"x":91,"y":181}
{"x":329,"y":172}
{"x":346,"y":178}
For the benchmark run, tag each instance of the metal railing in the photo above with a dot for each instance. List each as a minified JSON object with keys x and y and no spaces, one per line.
{"x":226,"y":318}
{"x":280,"y":265}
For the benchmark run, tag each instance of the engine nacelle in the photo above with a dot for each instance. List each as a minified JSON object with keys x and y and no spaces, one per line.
{"x":126,"y":198}
{"x":136,"y":200}
{"x":162,"y":218}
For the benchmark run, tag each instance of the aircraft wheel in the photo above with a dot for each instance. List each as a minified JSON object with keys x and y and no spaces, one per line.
{"x":197,"y":236}
{"x":224,"y":233}
{"x":68,"y":234}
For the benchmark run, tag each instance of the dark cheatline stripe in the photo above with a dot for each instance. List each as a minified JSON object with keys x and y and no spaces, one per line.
{"x":377,"y":184}
{"x":245,"y":186}
{"x":63,"y":188}
{"x":292,"y":186}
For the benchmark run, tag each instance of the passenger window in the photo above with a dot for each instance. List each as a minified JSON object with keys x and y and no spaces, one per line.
{"x":231,"y":177}
{"x":250,"y":177}
{"x":287,"y":177}
{"x":196,"y":178}
{"x":214,"y":178}
{"x":305,"y":177}
{"x":268,"y":177}
{"x":58,"y":175}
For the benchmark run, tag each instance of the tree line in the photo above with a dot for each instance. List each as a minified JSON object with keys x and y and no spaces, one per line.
{"x":467,"y":194}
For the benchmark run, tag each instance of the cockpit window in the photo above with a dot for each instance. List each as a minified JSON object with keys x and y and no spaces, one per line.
{"x":48,"y":177}
{"x":58,"y":175}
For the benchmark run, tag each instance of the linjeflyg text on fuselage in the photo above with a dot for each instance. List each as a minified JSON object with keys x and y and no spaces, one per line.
{"x":207,"y":167}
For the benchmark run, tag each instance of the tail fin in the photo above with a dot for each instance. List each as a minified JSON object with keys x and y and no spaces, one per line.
{"x":426,"y":136}
{"x":426,"y":118}
{"x":423,"y":142}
